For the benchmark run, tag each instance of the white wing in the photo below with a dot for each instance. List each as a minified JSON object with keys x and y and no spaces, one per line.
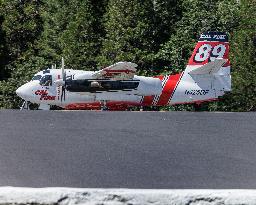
{"x":117,"y":71}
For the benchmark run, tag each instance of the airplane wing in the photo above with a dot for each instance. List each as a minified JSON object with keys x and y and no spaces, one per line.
{"x":117,"y":71}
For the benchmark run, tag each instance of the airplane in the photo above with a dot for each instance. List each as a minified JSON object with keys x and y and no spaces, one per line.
{"x":116,"y":87}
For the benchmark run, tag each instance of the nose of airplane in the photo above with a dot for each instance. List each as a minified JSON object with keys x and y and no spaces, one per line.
{"x":24,"y":91}
{"x":21,"y":92}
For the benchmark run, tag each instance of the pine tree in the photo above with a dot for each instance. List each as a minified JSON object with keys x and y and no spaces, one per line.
{"x":80,"y":40}
{"x":243,"y":62}
{"x":3,"y":50}
{"x":55,"y":16}
{"x":166,"y":14}
{"x":73,"y":30}
{"x":130,"y":32}
{"x":22,"y":27}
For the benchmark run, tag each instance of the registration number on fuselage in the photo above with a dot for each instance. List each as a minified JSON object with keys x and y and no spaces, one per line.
{"x":196,"y":92}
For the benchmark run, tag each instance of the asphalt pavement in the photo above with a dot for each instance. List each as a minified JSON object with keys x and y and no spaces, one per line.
{"x":175,"y":150}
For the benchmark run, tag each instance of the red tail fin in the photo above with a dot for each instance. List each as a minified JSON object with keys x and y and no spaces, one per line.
{"x":211,"y":45}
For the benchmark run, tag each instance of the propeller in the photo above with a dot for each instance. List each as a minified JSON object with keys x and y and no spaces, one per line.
{"x":62,"y":81}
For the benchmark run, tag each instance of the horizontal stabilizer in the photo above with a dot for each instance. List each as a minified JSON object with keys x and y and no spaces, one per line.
{"x":209,"y":68}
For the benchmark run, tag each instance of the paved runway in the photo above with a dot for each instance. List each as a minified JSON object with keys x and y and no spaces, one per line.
{"x":127,"y":149}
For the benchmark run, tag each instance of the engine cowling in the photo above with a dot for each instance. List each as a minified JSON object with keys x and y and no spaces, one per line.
{"x":95,"y":84}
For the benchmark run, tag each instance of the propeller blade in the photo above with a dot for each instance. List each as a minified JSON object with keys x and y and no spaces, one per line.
{"x":62,"y":81}
{"x":63,"y":93}
{"x":62,"y":68}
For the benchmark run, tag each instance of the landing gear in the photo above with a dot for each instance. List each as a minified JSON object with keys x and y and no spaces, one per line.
{"x":25,"y":106}
{"x":103,"y":105}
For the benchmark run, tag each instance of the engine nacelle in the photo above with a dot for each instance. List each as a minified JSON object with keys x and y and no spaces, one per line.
{"x":95,"y":84}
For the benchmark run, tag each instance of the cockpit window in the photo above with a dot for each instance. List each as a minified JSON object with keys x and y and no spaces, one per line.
{"x":46,"y":80}
{"x":37,"y":77}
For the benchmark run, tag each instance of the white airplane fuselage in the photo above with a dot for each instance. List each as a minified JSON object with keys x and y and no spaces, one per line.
{"x":36,"y":92}
{"x":151,"y":91}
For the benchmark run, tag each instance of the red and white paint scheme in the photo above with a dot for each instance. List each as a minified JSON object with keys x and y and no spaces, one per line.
{"x":206,"y":77}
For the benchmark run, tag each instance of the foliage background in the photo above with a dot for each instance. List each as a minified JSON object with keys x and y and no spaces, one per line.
{"x":158,"y":35}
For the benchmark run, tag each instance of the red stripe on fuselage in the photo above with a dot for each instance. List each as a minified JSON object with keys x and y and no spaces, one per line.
{"x":147,"y":100}
{"x":168,"y":89}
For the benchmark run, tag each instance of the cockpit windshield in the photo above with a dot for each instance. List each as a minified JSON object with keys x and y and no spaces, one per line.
{"x":46,"y":80}
{"x":37,"y":77}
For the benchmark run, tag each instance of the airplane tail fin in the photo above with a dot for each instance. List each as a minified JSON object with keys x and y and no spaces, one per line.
{"x":211,"y":57}
{"x":210,"y":46}
{"x":207,"y":74}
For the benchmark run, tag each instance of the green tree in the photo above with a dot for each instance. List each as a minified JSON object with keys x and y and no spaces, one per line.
{"x":243,"y":63}
{"x":166,"y":14}
{"x":129,"y":26}
{"x":22,"y":26}
{"x":54,"y":19}
{"x":80,"y":41}
{"x":72,"y":29}
{"x":154,"y":34}
{"x":3,"y":50}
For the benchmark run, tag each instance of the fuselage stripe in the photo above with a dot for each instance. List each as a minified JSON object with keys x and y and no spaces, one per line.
{"x":165,"y":81}
{"x":170,"y":84}
{"x":157,"y":97}
{"x":147,"y":100}
{"x":181,"y":75}
{"x":141,"y":100}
